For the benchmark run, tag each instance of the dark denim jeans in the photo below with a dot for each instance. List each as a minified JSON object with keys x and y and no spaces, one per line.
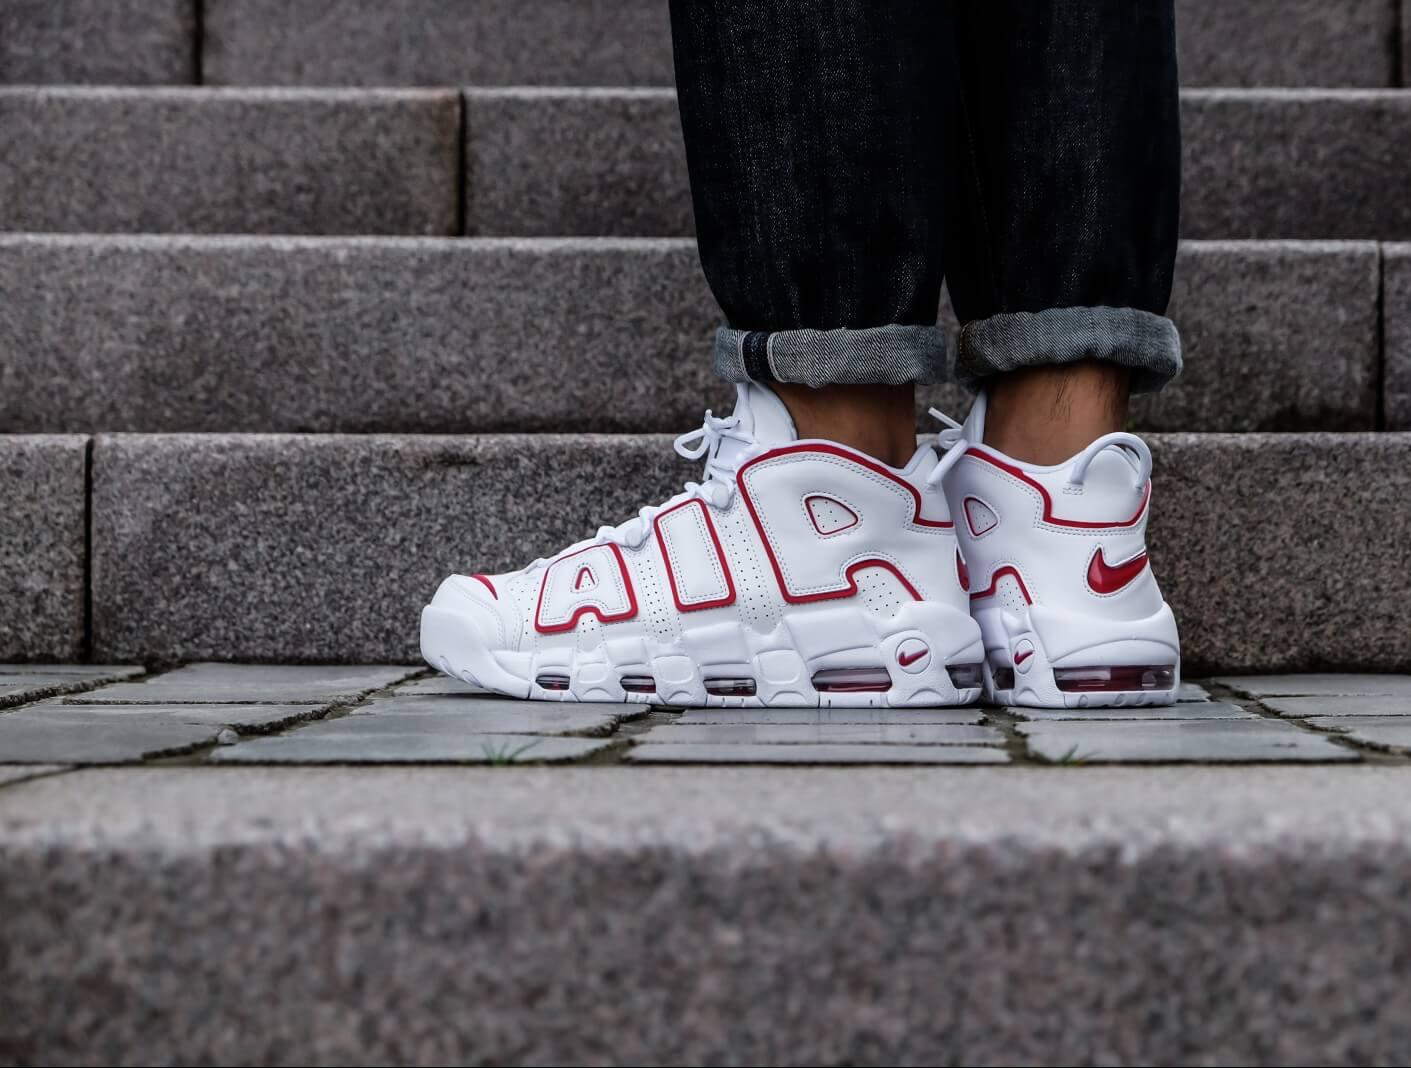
{"x":848,"y":155}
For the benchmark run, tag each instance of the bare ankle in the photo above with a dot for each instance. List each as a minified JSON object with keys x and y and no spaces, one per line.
{"x":877,"y":420}
{"x":1044,"y":415}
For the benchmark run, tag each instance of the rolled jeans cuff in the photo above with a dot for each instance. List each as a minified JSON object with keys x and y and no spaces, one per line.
{"x":887,"y":355}
{"x":1147,"y":343}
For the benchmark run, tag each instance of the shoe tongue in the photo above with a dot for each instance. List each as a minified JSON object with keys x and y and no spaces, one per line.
{"x":763,"y":415}
{"x":974,"y":426}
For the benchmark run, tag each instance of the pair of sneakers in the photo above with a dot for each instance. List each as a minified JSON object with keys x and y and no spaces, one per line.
{"x":803,"y":572}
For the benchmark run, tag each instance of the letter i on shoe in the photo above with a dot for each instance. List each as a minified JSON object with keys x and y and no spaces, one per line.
{"x":797,"y":572}
{"x":1060,"y":581}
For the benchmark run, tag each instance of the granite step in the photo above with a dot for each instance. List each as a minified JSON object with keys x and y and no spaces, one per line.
{"x":1309,"y":163}
{"x":217,"y":334}
{"x":606,"y":42}
{"x":1277,"y":552}
{"x":712,"y":915}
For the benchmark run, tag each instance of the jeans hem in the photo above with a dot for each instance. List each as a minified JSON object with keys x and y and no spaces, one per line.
{"x":1144,"y":341}
{"x":886,"y":355}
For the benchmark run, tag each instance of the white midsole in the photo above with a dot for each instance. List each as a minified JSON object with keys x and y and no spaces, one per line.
{"x":781,"y":662}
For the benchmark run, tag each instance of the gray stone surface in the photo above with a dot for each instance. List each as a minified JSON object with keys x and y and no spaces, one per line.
{"x":835,"y":717}
{"x":1296,"y":163}
{"x":1286,"y":42}
{"x":575,"y":161}
{"x":712,"y":915}
{"x":1276,"y":336}
{"x":1183,"y":741}
{"x":336,"y":334}
{"x":1182,"y":710}
{"x":431,"y":42}
{"x":1396,"y":315}
{"x":1339,"y":706}
{"x":1380,"y":732}
{"x":101,"y":42}
{"x":759,"y":734}
{"x":230,"y":161}
{"x":220,"y":683}
{"x":1324,"y":685}
{"x":43,"y":566}
{"x":70,"y":735}
{"x":241,"y":719}
{"x":439,"y":685}
{"x":362,"y":529}
{"x":32,"y":682}
{"x":1192,"y":691}
{"x":312,"y":746}
{"x":13,"y":773}
{"x":488,"y":715}
{"x":812,"y":753}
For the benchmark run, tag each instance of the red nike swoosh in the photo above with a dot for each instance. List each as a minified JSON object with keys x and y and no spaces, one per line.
{"x":1108,"y":578}
{"x":1020,"y":659}
{"x":907,"y":661}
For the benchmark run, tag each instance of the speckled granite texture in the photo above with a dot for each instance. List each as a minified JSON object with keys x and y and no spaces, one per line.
{"x":486,"y":42}
{"x":326,"y":547}
{"x":1287,"y":42}
{"x":42,"y":549}
{"x":437,"y":336}
{"x":707,"y":916}
{"x":240,"y":161}
{"x":1396,"y":313}
{"x":99,"y":42}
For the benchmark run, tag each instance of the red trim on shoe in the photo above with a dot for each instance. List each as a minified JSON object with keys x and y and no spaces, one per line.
{"x":962,"y":572}
{"x":695,"y":606}
{"x":998,"y":574}
{"x":488,"y":585}
{"x":970,"y":521}
{"x":831,"y":500}
{"x":578,"y":579}
{"x":851,"y":589}
{"x":1104,"y":578}
{"x":1048,"y":516}
{"x":627,"y":613}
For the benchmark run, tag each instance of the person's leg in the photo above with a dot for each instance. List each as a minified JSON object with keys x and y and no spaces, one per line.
{"x":1065,"y":180}
{"x":813,"y":140}
{"x":1065,"y":188}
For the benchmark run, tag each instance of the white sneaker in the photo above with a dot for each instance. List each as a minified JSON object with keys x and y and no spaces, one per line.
{"x":796,"y":573}
{"x":1059,"y":577}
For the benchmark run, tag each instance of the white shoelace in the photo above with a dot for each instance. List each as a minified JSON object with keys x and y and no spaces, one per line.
{"x":953,"y":443}
{"x":717,"y":488}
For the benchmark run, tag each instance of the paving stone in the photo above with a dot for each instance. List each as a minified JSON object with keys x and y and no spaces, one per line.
{"x":1185,"y":741}
{"x":1286,"y":42}
{"x":1329,"y":685}
{"x":181,"y":331}
{"x":1182,"y":710}
{"x":99,"y":42}
{"x":230,"y":161}
{"x":20,"y":683}
{"x":712,"y":915}
{"x":1339,"y":706}
{"x":309,"y":746}
{"x":1315,"y":163}
{"x":1192,"y":691}
{"x":617,"y":166}
{"x":1381,"y":732}
{"x":834,"y":717}
{"x":253,"y":683}
{"x":1231,"y":513}
{"x":480,"y":715}
{"x":38,"y":736}
{"x":757,"y":734}
{"x":1396,"y":310}
{"x":13,"y":773}
{"x":439,"y":685}
{"x":431,"y":42}
{"x":819,"y":753}
{"x":245,"y":719}
{"x":43,"y":553}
